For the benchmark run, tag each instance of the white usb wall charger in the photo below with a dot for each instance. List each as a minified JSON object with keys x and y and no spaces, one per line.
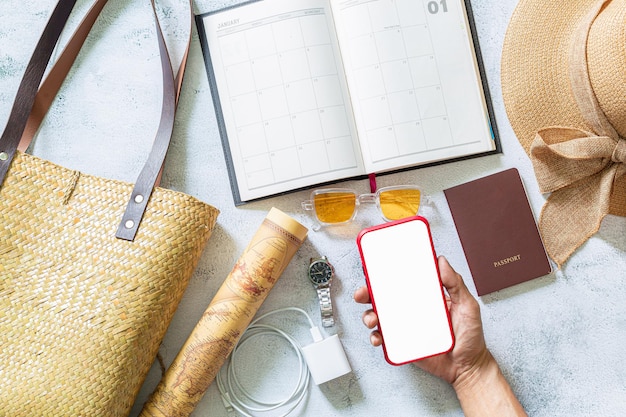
{"x":323,"y":360}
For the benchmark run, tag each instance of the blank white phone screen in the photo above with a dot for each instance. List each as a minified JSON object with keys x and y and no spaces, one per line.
{"x":406,"y":291}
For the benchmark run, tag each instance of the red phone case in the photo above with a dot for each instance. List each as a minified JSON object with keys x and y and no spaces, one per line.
{"x":396,"y":248}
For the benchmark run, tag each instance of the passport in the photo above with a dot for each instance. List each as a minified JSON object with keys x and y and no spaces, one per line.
{"x":498,"y":231}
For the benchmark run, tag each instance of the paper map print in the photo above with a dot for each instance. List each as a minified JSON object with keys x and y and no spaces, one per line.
{"x":228,"y":315}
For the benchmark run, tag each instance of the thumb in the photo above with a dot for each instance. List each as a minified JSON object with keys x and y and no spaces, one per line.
{"x":452,"y":281}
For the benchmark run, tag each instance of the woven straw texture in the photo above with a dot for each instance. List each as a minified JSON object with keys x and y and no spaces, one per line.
{"x":535,"y":77}
{"x":82,"y":313}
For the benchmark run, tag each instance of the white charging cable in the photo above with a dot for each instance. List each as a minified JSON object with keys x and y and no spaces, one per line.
{"x":236,"y":397}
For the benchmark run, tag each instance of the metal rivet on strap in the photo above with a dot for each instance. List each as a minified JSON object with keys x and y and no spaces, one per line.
{"x":138,"y":198}
{"x":4,"y":156}
{"x":129,"y":224}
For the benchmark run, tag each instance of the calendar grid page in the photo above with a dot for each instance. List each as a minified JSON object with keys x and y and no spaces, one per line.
{"x":283,"y":96}
{"x":313,"y":91}
{"x":414,"y":81}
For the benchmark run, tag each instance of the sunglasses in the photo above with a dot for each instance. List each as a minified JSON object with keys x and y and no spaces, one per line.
{"x":333,"y":206}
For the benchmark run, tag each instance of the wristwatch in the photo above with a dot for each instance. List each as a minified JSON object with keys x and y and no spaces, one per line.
{"x":321,"y":273}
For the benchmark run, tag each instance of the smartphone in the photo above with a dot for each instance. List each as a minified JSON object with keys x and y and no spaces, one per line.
{"x":402,"y":276}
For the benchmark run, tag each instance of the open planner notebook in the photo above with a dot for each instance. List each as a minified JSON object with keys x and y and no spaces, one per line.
{"x":313,"y":91}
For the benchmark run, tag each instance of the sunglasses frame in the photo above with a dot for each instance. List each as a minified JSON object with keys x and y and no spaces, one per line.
{"x":309,"y":205}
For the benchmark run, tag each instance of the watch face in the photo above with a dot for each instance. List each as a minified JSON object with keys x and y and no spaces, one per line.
{"x":320,"y":272}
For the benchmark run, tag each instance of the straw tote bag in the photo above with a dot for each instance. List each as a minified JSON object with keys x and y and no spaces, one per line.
{"x":91,"y":269}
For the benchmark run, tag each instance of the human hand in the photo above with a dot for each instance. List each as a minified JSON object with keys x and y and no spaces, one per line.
{"x":470,"y":368}
{"x":469,"y":352}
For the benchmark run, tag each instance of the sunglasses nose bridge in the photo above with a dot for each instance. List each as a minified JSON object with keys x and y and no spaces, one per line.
{"x":367,"y":198}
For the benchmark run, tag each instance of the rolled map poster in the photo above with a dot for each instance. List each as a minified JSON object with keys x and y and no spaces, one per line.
{"x":228,"y":315}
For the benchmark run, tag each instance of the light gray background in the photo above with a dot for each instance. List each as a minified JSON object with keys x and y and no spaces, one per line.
{"x":559,"y":339}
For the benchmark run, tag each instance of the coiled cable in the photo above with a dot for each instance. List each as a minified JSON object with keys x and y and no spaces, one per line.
{"x":236,"y":397}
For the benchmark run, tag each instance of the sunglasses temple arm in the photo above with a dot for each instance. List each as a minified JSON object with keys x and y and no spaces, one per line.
{"x":308,"y":206}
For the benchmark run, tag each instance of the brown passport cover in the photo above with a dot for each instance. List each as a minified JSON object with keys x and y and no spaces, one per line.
{"x":498,"y":231}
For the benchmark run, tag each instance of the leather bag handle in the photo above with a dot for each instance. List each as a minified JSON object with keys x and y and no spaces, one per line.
{"x":32,"y":103}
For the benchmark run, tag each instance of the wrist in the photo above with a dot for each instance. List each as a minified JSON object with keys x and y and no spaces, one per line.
{"x":484,"y":369}
{"x":482,"y":390}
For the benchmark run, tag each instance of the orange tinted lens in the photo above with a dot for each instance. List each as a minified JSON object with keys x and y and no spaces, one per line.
{"x":334,"y":207}
{"x":398,"y":204}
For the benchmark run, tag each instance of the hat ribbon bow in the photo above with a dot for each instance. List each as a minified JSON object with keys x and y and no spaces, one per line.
{"x":577,"y":167}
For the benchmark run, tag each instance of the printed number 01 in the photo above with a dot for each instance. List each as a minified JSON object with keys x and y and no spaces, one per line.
{"x":433,"y":6}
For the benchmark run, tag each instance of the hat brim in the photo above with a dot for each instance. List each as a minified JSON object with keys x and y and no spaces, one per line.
{"x":534,"y":73}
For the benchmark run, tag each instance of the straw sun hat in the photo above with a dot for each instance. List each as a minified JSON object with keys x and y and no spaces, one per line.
{"x":564,"y":88}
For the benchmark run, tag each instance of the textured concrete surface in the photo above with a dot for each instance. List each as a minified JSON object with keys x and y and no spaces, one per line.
{"x":559,"y":339}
